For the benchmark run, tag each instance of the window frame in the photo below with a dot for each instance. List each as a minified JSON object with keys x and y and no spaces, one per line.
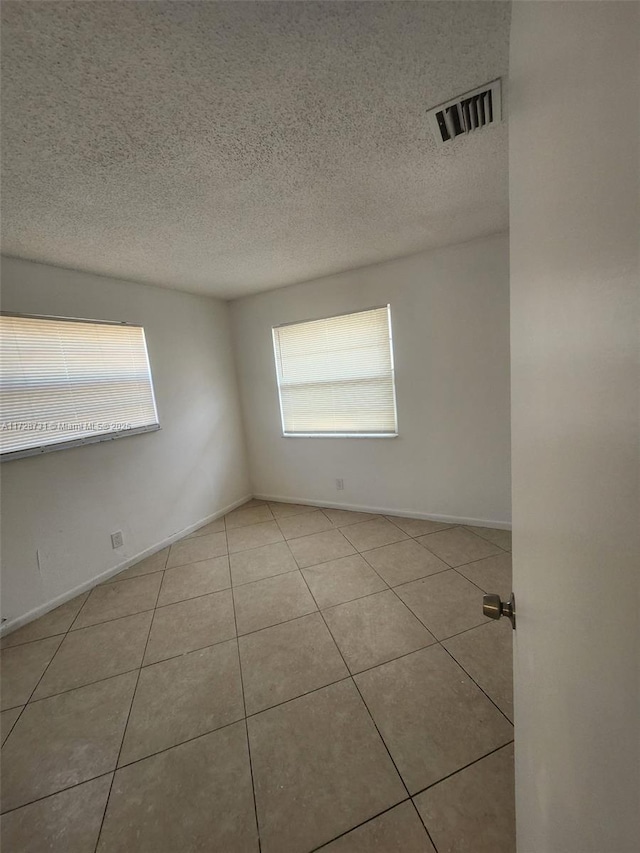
{"x":285,"y":434}
{"x":98,"y":437}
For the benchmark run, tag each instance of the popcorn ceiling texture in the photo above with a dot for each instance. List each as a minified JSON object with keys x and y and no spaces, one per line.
{"x":228,"y":148}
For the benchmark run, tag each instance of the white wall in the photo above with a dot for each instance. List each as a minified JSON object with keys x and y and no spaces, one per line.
{"x":65,"y":504}
{"x":450,"y":315}
{"x":575,"y":225}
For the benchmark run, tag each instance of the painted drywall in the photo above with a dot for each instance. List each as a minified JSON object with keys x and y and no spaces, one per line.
{"x":59,"y":509}
{"x":450,"y":317}
{"x":575,"y":221}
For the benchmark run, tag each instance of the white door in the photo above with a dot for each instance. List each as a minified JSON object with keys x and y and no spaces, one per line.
{"x":574,"y":165}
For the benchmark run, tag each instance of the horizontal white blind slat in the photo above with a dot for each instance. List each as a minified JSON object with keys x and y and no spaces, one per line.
{"x":64,"y":380}
{"x":336,"y":375}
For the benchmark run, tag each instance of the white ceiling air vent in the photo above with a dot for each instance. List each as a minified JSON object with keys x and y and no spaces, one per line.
{"x":466,"y":113}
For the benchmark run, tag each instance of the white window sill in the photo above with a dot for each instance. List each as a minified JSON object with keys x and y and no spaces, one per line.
{"x":77,"y":442}
{"x":340,"y":435}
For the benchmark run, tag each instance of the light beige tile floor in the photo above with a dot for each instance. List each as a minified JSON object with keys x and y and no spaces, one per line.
{"x":285,"y":680}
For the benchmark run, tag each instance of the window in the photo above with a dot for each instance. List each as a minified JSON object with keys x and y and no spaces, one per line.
{"x":335,"y":376}
{"x":65,"y":382}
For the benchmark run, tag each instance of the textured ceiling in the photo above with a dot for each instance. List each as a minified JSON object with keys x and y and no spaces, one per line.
{"x":228,"y":148}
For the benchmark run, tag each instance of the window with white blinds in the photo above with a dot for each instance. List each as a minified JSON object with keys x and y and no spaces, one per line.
{"x":335,"y":376}
{"x":66,"y":382}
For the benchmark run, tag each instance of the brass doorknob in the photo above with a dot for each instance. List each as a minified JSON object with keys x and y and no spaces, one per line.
{"x":495,"y":608}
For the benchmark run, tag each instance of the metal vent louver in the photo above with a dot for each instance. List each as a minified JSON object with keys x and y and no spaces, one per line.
{"x":466,"y":113}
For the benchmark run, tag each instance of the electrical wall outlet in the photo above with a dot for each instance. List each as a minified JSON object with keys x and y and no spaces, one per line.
{"x":116,"y":539}
{"x":340,"y":485}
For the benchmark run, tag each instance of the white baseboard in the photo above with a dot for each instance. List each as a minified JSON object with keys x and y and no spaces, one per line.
{"x":404,"y":513}
{"x":42,"y":609}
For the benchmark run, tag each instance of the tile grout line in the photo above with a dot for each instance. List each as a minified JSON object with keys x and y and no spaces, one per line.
{"x":133,"y":697}
{"x":267,"y":577}
{"x":376,"y":572}
{"x":380,"y":733}
{"x":294,"y":514}
{"x":458,"y":565}
{"x":328,"y":530}
{"x":339,"y":527}
{"x":313,"y":566}
{"x":464,"y":631}
{"x":55,"y":793}
{"x":85,"y":684}
{"x":64,"y":636}
{"x":335,"y":527}
{"x":440,"y":643}
{"x":249,"y":634}
{"x":424,"y":823}
{"x":118,"y":579}
{"x":128,"y":764}
{"x":404,"y":583}
{"x":361,"y":553}
{"x":351,"y":678}
{"x":422,"y":536}
{"x":84,"y":604}
{"x":348,"y":600}
{"x":448,"y":525}
{"x":411,"y":799}
{"x":467,"y":526}
{"x":469,"y":579}
{"x":161,"y":660}
{"x":325,"y":844}
{"x":466,"y":767}
{"x":476,"y":683}
{"x":115,"y":618}
{"x":373,"y":722}
{"x":224,"y":589}
{"x":192,"y":598}
{"x":246,"y":725}
{"x":122,"y":616}
{"x":235,"y":722}
{"x":31,"y":700}
{"x":237,"y":586}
